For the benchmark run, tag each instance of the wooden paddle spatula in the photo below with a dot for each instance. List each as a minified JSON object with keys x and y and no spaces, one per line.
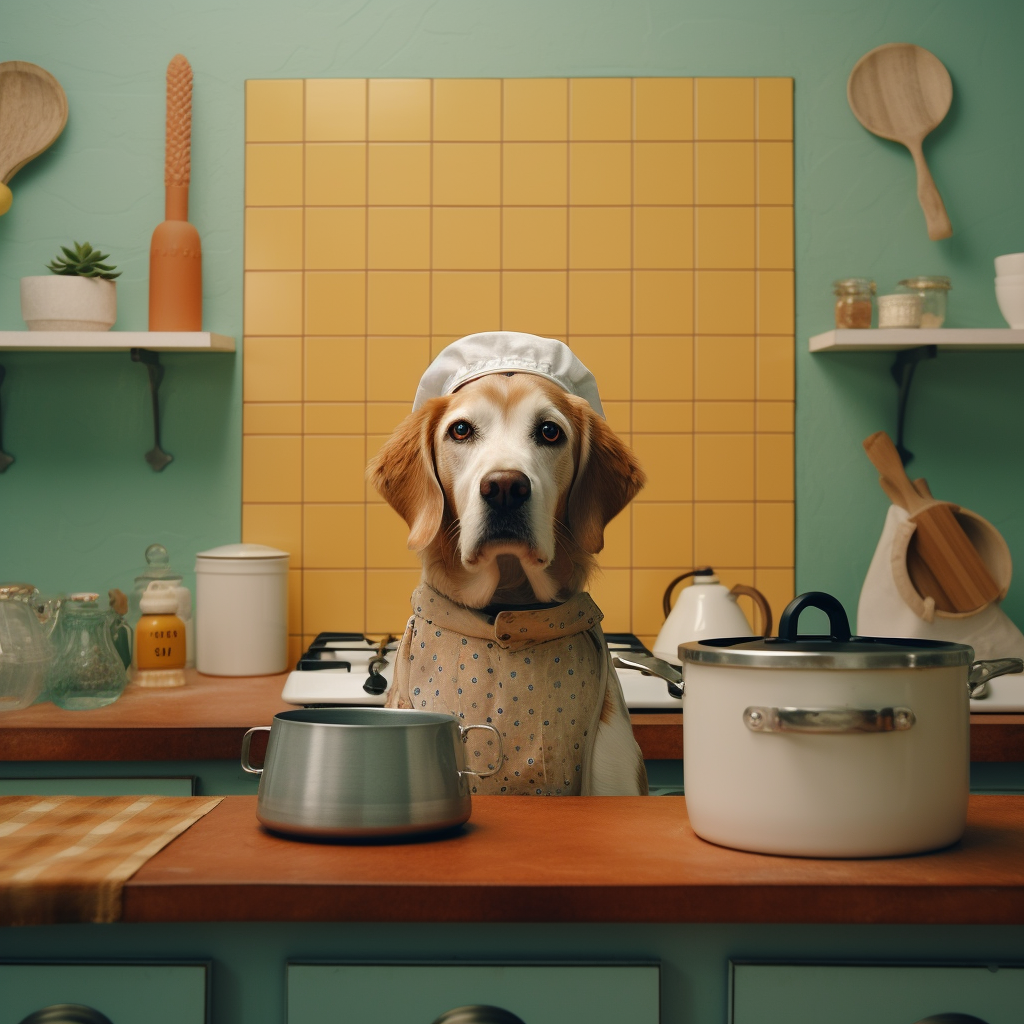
{"x":33,"y":112}
{"x":945,"y":558}
{"x":902,"y":92}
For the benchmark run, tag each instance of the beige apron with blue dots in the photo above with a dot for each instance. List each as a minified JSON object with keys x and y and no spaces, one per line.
{"x":539,"y":677}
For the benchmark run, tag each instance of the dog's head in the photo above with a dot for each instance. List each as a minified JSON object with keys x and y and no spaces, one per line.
{"x":507,"y":484}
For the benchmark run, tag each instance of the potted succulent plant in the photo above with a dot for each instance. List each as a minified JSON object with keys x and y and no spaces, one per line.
{"x":78,"y":295}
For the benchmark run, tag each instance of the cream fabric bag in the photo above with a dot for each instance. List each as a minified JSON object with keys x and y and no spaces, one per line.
{"x":890,"y":606}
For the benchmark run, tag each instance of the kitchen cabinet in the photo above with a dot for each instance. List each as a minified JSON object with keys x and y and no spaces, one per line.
{"x":611,"y":904}
{"x":414,"y":993}
{"x":87,"y":785}
{"x":882,"y":994}
{"x":126,"y":993}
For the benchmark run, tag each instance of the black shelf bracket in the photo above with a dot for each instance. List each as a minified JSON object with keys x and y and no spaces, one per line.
{"x":903,"y":373}
{"x":156,"y":456}
{"x":5,"y":459}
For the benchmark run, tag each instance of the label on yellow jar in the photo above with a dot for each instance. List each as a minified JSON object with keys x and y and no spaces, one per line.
{"x":160,"y":642}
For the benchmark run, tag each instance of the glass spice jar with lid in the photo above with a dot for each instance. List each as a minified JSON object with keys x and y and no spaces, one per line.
{"x":933,"y":291}
{"x":854,"y":302}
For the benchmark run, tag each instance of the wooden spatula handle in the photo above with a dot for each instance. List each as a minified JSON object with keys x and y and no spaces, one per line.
{"x":928,"y":196}
{"x":884,"y":457}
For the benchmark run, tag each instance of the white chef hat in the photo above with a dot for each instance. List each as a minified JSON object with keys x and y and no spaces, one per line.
{"x":506,"y":352}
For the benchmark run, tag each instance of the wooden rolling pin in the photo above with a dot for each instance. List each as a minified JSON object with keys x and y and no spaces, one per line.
{"x":945,"y":564}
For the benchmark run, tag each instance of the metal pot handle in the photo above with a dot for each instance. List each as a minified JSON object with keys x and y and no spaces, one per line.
{"x":650,"y":665}
{"x":983,"y":671}
{"x":463,"y":730}
{"x":838,"y":623}
{"x":828,"y":720}
{"x":246,"y":740}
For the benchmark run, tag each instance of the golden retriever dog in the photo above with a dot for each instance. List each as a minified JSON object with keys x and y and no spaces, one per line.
{"x":506,"y":485}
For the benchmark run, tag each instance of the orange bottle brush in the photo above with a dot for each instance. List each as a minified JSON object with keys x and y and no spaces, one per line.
{"x":175,"y":254}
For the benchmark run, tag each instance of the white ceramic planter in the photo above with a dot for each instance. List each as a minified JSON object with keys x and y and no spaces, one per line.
{"x":54,"y":302}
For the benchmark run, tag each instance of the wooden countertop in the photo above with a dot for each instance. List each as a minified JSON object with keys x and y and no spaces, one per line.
{"x":573,"y":859}
{"x":205,"y":721}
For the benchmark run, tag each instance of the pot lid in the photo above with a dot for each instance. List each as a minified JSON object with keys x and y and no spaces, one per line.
{"x":243,"y":551}
{"x":838,"y":650}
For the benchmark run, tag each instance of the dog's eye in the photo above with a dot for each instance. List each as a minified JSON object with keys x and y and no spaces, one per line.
{"x":460,"y":431}
{"x":550,"y":432}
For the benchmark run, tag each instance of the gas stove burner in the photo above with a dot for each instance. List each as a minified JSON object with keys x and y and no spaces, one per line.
{"x":338,"y":669}
{"x":339,"y":651}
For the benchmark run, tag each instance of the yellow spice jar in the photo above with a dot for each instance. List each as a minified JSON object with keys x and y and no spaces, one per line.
{"x":160,"y":638}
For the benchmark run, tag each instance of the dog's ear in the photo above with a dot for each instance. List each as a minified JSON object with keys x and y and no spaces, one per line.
{"x":404,"y":476}
{"x":608,"y":477}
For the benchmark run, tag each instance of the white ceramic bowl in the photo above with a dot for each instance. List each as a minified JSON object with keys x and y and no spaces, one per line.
{"x":1010,"y":278}
{"x":1010,"y":296}
{"x":1012,"y":263}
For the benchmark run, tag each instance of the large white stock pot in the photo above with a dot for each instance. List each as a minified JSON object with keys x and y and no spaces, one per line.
{"x":828,"y":746}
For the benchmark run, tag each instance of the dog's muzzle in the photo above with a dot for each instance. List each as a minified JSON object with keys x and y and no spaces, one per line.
{"x":506,"y":492}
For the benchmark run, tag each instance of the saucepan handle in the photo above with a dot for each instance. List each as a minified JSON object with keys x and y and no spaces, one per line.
{"x":463,"y":729}
{"x":246,"y":740}
{"x":982,"y":671}
{"x":828,"y":720}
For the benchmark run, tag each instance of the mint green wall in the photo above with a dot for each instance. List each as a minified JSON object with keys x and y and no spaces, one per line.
{"x":80,"y":504}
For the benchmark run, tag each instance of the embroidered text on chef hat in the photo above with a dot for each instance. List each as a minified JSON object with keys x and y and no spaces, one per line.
{"x":507,"y":352}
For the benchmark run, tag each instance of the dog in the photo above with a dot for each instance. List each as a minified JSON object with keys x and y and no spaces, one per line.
{"x":506,"y":485}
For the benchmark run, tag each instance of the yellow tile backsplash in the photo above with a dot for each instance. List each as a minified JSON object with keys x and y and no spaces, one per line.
{"x":646,"y":222}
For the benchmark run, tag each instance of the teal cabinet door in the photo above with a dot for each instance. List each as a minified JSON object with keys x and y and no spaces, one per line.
{"x":100,"y":786}
{"x":811,"y":994}
{"x":420,"y":993}
{"x":125,"y":993}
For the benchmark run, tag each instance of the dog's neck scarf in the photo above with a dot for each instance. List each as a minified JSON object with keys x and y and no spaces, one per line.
{"x":538,"y":676}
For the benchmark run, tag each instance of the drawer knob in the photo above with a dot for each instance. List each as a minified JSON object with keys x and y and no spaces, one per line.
{"x":951,"y":1018}
{"x":67,"y":1013}
{"x":478,"y":1014}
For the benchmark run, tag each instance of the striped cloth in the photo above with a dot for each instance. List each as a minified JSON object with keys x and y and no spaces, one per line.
{"x":66,"y":858}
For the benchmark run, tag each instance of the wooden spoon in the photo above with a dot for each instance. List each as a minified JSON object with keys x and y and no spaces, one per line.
{"x":945,"y":564}
{"x":902,"y":92}
{"x":33,"y":112}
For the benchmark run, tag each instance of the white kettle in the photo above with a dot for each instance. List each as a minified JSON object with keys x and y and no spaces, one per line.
{"x":705,"y":609}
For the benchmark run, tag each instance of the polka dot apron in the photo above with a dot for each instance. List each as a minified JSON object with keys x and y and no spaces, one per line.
{"x":538,"y":676}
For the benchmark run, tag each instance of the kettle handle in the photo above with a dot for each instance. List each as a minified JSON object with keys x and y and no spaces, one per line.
{"x":666,"y":600}
{"x":742,"y":590}
{"x":246,"y":740}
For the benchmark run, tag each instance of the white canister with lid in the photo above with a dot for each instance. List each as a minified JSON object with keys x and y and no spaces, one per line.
{"x":241,"y":610}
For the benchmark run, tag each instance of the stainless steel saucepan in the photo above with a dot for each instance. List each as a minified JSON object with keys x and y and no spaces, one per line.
{"x":366,"y":773}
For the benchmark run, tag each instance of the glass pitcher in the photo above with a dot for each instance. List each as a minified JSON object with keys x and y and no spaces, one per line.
{"x":88,"y":671}
{"x":25,"y":650}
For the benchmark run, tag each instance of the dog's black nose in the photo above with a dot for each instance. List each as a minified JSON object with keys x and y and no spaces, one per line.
{"x":505,"y":489}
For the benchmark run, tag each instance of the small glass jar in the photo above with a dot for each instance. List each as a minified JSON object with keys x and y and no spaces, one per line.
{"x":933,"y":292}
{"x":854,"y":303}
{"x":901,"y":309}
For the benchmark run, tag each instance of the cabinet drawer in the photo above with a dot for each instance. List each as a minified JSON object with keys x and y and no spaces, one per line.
{"x":420,"y":993}
{"x":811,"y":993}
{"x":126,"y":993}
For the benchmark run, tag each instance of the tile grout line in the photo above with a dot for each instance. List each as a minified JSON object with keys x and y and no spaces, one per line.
{"x":757,"y":316}
{"x":693,"y":327}
{"x":302,"y":452}
{"x":632,"y":325}
{"x":501,"y":204}
{"x":366,"y":349}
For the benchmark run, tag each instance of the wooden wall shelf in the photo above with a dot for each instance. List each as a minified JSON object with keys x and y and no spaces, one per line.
{"x":115,"y":341}
{"x":896,"y":339}
{"x":145,"y":347}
